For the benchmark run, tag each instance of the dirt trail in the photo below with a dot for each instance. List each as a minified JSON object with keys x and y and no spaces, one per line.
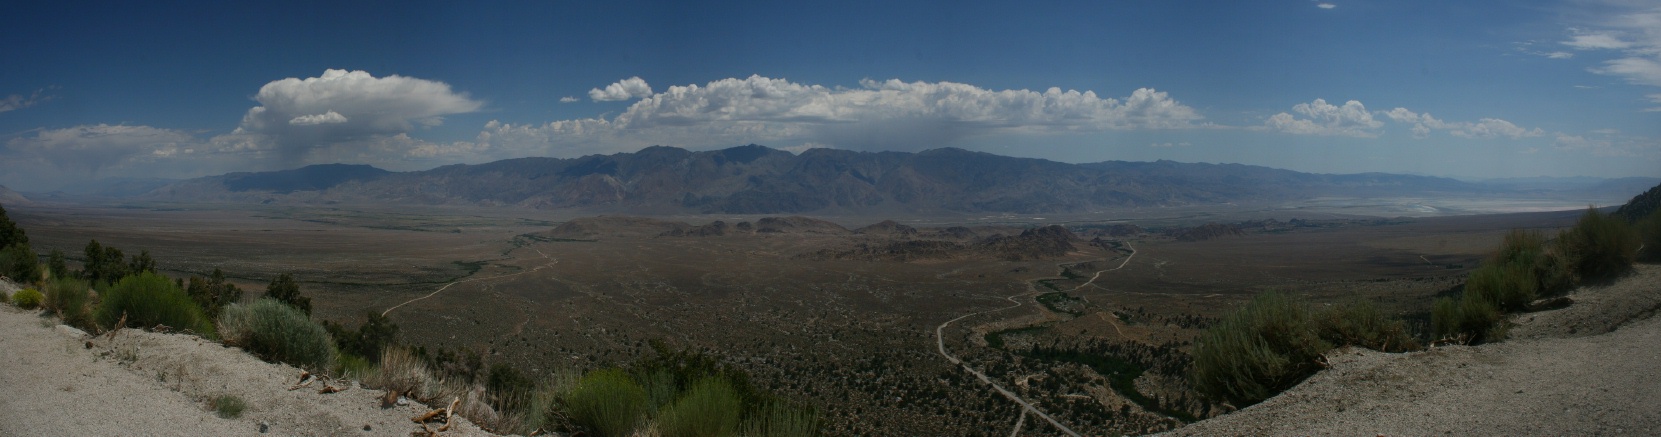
{"x":550,"y":263}
{"x":1026,"y":407}
{"x":1589,"y":369}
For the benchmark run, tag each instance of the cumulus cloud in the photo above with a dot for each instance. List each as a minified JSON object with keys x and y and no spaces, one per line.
{"x":91,"y":148}
{"x":300,"y":115}
{"x":886,"y":115}
{"x":1484,"y":128}
{"x":626,"y":89}
{"x":1632,"y":30}
{"x":1322,"y":118}
{"x":315,"y":119}
{"x":569,"y":99}
{"x":17,"y":101}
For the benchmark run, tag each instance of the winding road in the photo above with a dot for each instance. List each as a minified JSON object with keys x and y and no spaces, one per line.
{"x":1027,"y":407}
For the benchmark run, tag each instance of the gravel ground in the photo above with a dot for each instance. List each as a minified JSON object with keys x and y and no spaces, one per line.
{"x":1588,"y":369}
{"x":146,"y":383}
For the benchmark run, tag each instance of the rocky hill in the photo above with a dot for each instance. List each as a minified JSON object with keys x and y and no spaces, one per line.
{"x":759,"y":180}
{"x":1641,"y":205}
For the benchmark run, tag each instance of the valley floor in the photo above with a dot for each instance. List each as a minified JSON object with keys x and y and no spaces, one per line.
{"x":1589,"y":369}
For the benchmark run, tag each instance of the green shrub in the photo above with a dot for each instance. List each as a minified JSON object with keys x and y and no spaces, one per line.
{"x":19,"y":262}
{"x":5,"y":297}
{"x":777,"y":419}
{"x":148,"y":299}
{"x":278,"y":332}
{"x":352,"y":366}
{"x":661,"y":388}
{"x":1649,"y":229}
{"x":709,"y":408}
{"x":1508,"y":287}
{"x":72,"y":300}
{"x":1599,"y":247}
{"x":508,"y":387}
{"x":607,"y":402}
{"x":1262,"y":349}
{"x":27,"y":299}
{"x":1470,"y":318}
{"x":1361,"y":323}
{"x":228,"y":406}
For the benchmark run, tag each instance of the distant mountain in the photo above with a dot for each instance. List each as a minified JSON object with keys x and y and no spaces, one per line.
{"x":759,"y":180}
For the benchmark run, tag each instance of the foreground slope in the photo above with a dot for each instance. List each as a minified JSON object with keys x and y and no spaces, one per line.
{"x":1588,"y":369}
{"x":59,"y":382}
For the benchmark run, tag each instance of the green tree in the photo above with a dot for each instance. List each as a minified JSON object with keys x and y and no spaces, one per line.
{"x":20,"y":263}
{"x":142,"y":263}
{"x":285,"y":290}
{"x":213,"y":293}
{"x":55,"y":265}
{"x":9,"y":232}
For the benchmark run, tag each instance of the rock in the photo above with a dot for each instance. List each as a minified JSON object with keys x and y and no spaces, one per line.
{"x":1550,"y":304}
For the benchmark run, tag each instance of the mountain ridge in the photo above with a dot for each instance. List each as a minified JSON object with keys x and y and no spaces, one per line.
{"x":755,"y":179}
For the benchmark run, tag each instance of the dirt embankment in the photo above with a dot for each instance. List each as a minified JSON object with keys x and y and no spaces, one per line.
{"x":58,"y":381}
{"x":1588,"y":369}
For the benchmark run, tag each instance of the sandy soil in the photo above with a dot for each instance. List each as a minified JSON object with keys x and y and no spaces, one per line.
{"x":59,"y":382}
{"x":1588,"y":369}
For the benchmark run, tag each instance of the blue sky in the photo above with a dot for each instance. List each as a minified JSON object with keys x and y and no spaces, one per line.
{"x":1462,"y":89}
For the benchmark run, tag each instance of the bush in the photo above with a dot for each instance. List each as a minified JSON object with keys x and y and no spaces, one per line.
{"x":777,"y":419}
{"x":1262,"y":349}
{"x":1599,"y":247}
{"x":71,"y":299}
{"x":278,"y":332}
{"x":709,"y":408}
{"x":148,"y":299}
{"x":1649,"y":230}
{"x":1362,"y":324}
{"x":285,"y":290}
{"x":1469,"y":319}
{"x":607,"y":402}
{"x":27,"y":299}
{"x":1508,"y":287}
{"x":19,"y":262}
{"x":228,"y":406}
{"x":508,"y":387}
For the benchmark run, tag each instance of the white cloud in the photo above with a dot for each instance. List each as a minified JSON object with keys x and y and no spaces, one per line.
{"x":569,"y":99}
{"x":626,"y":89}
{"x":885,"y":115}
{"x":1170,"y":144}
{"x":1559,"y":55}
{"x":1633,"y":30}
{"x":341,"y":107}
{"x":1322,"y":118}
{"x":1597,"y":41}
{"x":17,"y":101}
{"x":1325,"y":5}
{"x":314,"y":119}
{"x":1424,"y":123}
{"x":91,"y":148}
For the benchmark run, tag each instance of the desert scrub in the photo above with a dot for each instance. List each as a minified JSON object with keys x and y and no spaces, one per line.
{"x":71,"y":300}
{"x":278,"y":332}
{"x":777,"y":419}
{"x":1508,"y":287}
{"x":1361,"y":323}
{"x":147,"y":300}
{"x":1649,"y":229}
{"x":1468,"y":319}
{"x":1599,"y":247}
{"x":1268,"y":346}
{"x":27,"y":299}
{"x":228,"y":406}
{"x":607,"y":402}
{"x":709,"y":408}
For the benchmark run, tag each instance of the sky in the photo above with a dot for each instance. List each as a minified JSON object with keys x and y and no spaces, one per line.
{"x":1472,"y":90}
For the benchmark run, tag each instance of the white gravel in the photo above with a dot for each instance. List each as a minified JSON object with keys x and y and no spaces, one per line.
{"x":145,"y":383}
{"x":1564,"y":372}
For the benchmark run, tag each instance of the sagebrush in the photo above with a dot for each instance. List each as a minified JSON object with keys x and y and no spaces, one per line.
{"x":278,"y":332}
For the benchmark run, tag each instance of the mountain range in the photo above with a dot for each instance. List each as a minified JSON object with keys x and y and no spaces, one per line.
{"x":760,"y":180}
